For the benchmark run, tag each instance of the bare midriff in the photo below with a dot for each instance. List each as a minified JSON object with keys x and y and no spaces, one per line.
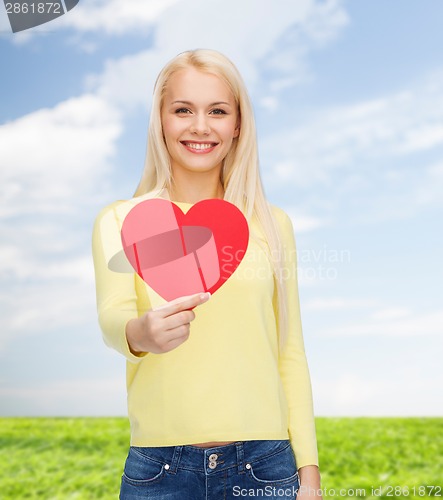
{"x":212,"y":444}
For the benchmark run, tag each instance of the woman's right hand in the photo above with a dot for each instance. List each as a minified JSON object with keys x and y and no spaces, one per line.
{"x":165,"y":328}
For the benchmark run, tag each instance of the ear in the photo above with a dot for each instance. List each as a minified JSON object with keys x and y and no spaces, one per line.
{"x":237,"y":129}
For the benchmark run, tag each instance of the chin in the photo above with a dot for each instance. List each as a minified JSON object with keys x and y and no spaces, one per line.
{"x":201,"y":168}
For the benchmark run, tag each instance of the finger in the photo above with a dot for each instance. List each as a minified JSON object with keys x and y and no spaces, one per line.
{"x":201,"y":296}
{"x":178,"y":300}
{"x":178,"y":319}
{"x":183,"y":303}
{"x":179,"y":334}
{"x":175,"y":343}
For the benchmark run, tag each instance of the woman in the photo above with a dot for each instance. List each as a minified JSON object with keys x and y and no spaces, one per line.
{"x":222,"y":408}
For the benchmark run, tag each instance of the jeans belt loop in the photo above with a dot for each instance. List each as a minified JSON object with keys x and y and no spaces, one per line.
{"x":240,"y":457}
{"x":175,"y":459}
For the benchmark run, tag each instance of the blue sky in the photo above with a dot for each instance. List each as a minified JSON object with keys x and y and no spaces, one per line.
{"x":348,"y":99}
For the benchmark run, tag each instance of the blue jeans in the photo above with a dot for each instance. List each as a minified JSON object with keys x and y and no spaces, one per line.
{"x":256,"y":469}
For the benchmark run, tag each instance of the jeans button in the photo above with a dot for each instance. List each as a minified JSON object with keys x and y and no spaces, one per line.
{"x":213,"y":457}
{"x":212,"y":465}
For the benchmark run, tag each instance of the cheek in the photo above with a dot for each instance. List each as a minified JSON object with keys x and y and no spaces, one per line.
{"x":228,"y":131}
{"x":167,"y":130}
{"x":170,"y":127}
{"x":169,"y":137}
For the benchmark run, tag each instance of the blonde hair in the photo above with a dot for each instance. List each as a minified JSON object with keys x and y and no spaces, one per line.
{"x":240,"y":174}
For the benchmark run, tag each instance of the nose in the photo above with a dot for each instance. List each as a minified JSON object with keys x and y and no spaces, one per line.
{"x":200,"y":125}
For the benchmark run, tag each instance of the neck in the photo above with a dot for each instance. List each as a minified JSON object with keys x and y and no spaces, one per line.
{"x":193,"y":187}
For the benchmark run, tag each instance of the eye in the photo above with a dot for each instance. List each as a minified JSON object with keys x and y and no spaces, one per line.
{"x":218,"y":111}
{"x":182,"y":111}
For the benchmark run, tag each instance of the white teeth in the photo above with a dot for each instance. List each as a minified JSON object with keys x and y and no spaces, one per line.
{"x":194,"y":145}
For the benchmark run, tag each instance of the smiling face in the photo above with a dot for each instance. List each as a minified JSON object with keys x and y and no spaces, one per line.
{"x":199,"y":120}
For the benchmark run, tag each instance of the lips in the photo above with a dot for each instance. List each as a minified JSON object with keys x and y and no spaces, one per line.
{"x":199,"y":147}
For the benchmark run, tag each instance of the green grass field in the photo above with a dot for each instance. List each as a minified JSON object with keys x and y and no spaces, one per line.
{"x":82,"y":458}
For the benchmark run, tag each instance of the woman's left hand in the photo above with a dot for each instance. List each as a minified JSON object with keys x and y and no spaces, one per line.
{"x":309,"y":483}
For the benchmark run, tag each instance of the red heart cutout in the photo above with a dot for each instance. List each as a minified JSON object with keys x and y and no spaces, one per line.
{"x":180,"y":254}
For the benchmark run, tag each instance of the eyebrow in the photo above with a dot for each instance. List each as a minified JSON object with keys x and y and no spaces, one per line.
{"x":212,"y":104}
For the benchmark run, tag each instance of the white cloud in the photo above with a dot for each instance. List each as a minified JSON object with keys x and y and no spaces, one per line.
{"x":128,"y":82}
{"x":270,"y":103}
{"x":303,"y":222}
{"x":43,"y":303}
{"x":73,"y":398}
{"x":329,"y":16}
{"x":53,"y":176}
{"x":336,"y":303}
{"x":424,"y":136}
{"x":386,"y":323}
{"x":51,"y":159}
{"x":378,"y":156}
{"x":236,"y":28}
{"x":391,"y":313}
{"x":110,"y":17}
{"x":429,"y":190}
{"x":115,"y":17}
{"x":377,"y":394}
{"x":234,"y":31}
{"x":358,"y":136}
{"x":40,"y":261}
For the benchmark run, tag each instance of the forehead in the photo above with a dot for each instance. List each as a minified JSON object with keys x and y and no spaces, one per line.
{"x":193,"y":85}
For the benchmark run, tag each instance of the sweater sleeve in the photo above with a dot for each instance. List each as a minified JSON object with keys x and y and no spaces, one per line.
{"x":116,"y":291}
{"x":293,"y":364}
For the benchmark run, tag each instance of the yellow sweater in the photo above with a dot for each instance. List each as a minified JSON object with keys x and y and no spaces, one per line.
{"x":227,"y":382}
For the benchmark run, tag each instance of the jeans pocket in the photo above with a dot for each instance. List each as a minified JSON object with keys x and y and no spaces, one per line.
{"x":141,"y":470}
{"x":277,"y":469}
